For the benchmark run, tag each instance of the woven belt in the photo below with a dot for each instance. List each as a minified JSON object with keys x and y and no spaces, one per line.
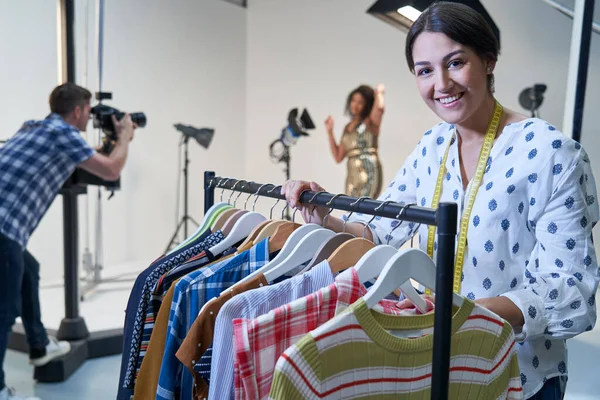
{"x":360,"y":152}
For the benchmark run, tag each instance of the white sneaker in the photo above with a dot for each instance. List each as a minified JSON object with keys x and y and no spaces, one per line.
{"x":54,"y":349}
{"x":9,"y":394}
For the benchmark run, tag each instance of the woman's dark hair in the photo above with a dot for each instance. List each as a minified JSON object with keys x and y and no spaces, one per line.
{"x":461,"y":24}
{"x":368,"y":94}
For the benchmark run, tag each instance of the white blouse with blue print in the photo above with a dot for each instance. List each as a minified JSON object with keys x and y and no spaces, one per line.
{"x":529,"y":236}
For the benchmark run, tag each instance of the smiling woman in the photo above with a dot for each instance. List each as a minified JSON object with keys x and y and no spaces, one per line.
{"x":526,"y":195}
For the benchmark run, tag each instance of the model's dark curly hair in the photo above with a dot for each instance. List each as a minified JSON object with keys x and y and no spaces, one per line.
{"x":368,"y":94}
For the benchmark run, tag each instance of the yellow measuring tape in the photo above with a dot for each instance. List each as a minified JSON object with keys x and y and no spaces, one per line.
{"x":464,"y":222}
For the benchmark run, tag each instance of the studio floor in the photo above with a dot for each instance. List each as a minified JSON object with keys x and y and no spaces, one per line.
{"x":98,"y":379}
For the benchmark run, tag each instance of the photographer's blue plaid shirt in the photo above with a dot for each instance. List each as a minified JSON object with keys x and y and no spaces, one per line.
{"x":34,"y":164}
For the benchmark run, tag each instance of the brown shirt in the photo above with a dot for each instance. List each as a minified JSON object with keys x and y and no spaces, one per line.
{"x":200,"y":335}
{"x":147,"y":380}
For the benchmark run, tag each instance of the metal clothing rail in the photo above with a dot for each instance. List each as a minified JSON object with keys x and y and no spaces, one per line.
{"x":445,"y":218}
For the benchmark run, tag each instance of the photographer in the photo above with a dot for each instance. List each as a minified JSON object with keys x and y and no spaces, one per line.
{"x":34,"y":164}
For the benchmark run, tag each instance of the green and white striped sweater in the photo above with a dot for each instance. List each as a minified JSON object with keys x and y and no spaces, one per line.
{"x":355,"y":355}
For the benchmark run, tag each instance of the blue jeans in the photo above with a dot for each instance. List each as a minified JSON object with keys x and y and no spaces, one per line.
{"x":19,"y":296}
{"x":553,"y":389}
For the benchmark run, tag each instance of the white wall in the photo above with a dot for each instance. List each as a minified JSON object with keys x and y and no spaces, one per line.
{"x":312,"y":53}
{"x":179,"y":62}
{"x":28,"y":72}
{"x":211,"y":63}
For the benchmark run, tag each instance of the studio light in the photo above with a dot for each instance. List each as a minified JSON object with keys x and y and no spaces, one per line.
{"x":279,"y":149}
{"x":403,"y":13}
{"x":201,"y":135}
{"x":531,"y":98}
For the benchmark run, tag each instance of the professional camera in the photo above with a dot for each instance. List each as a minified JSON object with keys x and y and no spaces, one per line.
{"x":103,"y":119}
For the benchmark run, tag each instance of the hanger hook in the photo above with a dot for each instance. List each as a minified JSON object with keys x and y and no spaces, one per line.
{"x":233,"y":189}
{"x":352,"y":212}
{"x":250,"y":195}
{"x":402,"y":211}
{"x":375,"y":216}
{"x":315,"y":206}
{"x":270,"y":191}
{"x":223,"y":189}
{"x":329,"y":212}
{"x":412,"y":236}
{"x":240,"y":193}
{"x":257,"y":194}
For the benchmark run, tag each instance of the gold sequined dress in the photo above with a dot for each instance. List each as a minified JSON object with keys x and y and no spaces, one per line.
{"x":364,"y":168}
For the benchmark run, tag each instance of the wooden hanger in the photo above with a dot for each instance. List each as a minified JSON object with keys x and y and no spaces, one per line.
{"x":222,"y":219}
{"x":404,"y":265}
{"x":349,"y":253}
{"x":281,"y":235}
{"x":269,"y":230}
{"x":327,"y":249}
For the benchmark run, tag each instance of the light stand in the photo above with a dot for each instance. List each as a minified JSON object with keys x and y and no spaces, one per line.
{"x":203,"y":137}
{"x":531,"y":98}
{"x":186,"y":217}
{"x":280,"y":153}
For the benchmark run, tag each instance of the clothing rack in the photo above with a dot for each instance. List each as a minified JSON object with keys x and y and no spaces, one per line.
{"x":445,"y":218}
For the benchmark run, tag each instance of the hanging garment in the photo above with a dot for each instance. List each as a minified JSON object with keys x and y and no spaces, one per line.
{"x":191,"y":293}
{"x":162,"y":287}
{"x":529,"y":236}
{"x":366,"y":353}
{"x":149,"y":371}
{"x":258,"y":343}
{"x":250,"y":305}
{"x":364,"y":172}
{"x":138,"y":303}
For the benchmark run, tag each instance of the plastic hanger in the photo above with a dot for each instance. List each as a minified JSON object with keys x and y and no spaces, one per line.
{"x":348,"y":254}
{"x":242,"y":228}
{"x":251,"y":239}
{"x":330,"y":245}
{"x":371,"y":266}
{"x":209,"y":217}
{"x":404,"y":265}
{"x":228,"y":226}
{"x":327,"y":249}
{"x":304,"y":251}
{"x":291,"y":242}
{"x":222,"y":219}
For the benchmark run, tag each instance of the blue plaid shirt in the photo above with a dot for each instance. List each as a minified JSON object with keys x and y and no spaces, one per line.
{"x":190,"y":294}
{"x":34,"y":164}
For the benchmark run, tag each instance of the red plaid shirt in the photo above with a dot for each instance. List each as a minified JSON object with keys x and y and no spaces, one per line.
{"x":259,"y":343}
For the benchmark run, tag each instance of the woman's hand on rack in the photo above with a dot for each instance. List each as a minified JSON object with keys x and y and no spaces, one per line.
{"x":293,"y":189}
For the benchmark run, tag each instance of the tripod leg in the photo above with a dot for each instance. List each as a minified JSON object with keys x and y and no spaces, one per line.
{"x":175,"y":235}
{"x":193,"y":220}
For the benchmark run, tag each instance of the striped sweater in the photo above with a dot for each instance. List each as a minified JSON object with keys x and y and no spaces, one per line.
{"x":361,"y":354}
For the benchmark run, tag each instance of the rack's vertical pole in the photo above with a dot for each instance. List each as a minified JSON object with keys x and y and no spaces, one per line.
{"x":578,"y":67}
{"x":209,"y":191}
{"x":446,"y":237}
